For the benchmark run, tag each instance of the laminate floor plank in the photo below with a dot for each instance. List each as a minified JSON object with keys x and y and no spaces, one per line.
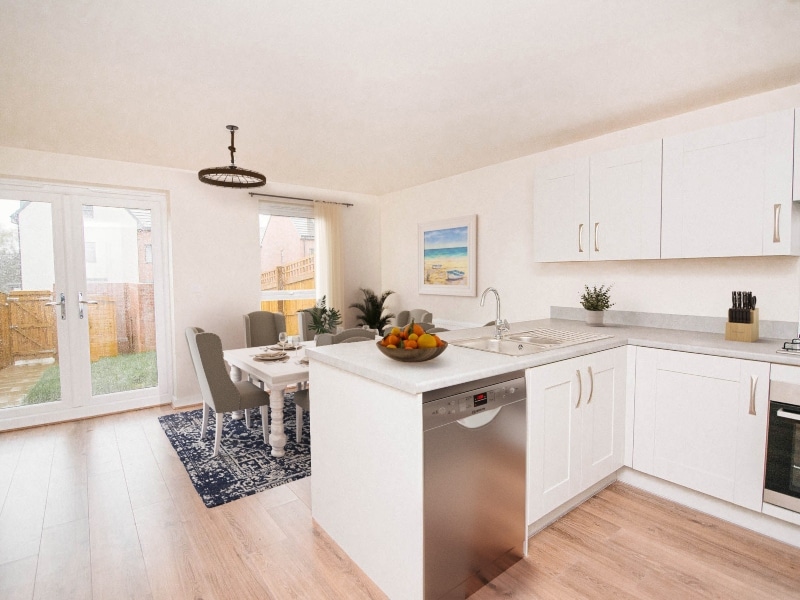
{"x":172,"y":570}
{"x":17,"y":578}
{"x":65,"y":569}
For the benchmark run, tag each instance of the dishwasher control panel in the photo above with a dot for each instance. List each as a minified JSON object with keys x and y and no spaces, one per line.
{"x":443,"y":410}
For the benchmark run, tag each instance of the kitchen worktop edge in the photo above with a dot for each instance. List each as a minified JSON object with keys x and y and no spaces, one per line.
{"x":459,"y":365}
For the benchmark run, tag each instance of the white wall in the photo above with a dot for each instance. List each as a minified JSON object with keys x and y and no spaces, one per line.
{"x":213,"y":243}
{"x":501,"y":196}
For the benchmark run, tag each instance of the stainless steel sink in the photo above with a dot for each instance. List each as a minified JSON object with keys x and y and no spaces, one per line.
{"x":529,"y":342}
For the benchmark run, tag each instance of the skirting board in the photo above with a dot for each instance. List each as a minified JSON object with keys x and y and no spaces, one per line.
{"x":765,"y":524}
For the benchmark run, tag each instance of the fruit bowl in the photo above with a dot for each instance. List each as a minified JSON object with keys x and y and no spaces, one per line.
{"x":416,"y":355}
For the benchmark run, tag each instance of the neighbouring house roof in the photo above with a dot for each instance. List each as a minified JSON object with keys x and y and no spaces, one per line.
{"x":304,"y":226}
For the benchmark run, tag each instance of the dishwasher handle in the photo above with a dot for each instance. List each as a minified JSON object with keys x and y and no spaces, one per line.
{"x":481,"y":419}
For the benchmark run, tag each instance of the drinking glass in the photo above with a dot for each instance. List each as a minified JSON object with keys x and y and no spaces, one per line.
{"x":295,"y":342}
{"x":282,"y":338}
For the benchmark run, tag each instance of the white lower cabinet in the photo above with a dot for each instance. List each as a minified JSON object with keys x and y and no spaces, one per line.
{"x":576,"y":422}
{"x":701,"y":422}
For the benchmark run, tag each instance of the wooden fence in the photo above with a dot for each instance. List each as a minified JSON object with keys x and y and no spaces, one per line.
{"x":122,"y":322}
{"x":297,"y":275}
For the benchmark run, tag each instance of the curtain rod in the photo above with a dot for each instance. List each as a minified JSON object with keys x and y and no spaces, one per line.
{"x":347,"y":204}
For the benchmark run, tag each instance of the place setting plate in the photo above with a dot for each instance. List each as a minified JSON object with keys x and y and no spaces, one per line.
{"x":271,"y":356}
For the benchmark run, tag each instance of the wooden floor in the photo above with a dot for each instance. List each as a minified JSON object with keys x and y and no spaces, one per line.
{"x":103,"y":509}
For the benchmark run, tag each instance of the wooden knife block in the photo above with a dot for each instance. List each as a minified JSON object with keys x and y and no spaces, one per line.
{"x":743,"y":332}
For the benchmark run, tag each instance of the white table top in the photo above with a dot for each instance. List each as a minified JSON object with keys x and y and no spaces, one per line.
{"x":272,"y":373}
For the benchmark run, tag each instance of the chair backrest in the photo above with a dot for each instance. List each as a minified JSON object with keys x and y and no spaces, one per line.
{"x":262,"y":327}
{"x":304,"y":326}
{"x":356,"y":334}
{"x":420,"y":315}
{"x":436,"y":330}
{"x":216,"y":387}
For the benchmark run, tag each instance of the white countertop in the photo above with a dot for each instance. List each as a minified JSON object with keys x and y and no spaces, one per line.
{"x":458,"y":365}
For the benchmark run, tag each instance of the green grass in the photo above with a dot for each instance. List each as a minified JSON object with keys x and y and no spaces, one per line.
{"x":112,"y":374}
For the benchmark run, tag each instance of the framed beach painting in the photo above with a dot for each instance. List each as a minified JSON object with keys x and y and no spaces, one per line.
{"x":447,"y":256}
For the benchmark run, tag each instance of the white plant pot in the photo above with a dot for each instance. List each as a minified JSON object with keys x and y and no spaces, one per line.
{"x":594,"y":317}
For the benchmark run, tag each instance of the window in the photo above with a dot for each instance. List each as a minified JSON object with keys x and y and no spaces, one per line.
{"x":148,"y":253}
{"x":287,"y":259}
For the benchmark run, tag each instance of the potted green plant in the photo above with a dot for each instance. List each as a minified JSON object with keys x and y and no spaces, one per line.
{"x":595,"y":301}
{"x":324,"y":319}
{"x":371,"y":308}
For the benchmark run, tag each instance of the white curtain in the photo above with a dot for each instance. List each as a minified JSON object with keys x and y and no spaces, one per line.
{"x":328,"y":254}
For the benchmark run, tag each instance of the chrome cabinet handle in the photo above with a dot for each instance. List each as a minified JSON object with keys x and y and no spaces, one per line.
{"x":63,"y":304}
{"x":580,"y":237}
{"x":776,"y":227}
{"x":591,"y":381}
{"x":596,"y":241}
{"x":81,"y":302}
{"x":580,"y":387}
{"x":785,"y":414}
{"x":753,"y":380}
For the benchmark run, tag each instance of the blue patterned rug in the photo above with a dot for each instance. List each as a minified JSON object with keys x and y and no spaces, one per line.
{"x":244,"y":465}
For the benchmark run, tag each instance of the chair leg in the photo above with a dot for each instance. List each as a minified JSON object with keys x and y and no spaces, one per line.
{"x":204,"y":427}
{"x":298,"y":425}
{"x":218,"y":436}
{"x":247,"y":417}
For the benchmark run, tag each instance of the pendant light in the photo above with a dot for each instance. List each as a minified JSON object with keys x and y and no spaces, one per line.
{"x":232,"y":176}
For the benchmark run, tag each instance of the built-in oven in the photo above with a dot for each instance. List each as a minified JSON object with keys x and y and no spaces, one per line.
{"x":782,"y":477}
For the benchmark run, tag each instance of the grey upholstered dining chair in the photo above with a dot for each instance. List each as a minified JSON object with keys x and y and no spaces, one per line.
{"x":419,"y":315}
{"x":262,"y":327}
{"x":304,"y":326}
{"x":219,"y":393}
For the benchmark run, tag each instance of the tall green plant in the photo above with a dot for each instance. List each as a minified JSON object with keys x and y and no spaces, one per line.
{"x":371,"y":308}
{"x":324,"y":319}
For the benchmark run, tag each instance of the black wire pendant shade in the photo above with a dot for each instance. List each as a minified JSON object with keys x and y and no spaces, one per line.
{"x":232,"y":176}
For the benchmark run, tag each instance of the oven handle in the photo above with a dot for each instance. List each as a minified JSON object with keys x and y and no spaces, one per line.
{"x":788,"y":415}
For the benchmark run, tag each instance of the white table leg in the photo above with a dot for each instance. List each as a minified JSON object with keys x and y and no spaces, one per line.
{"x":236,"y":375}
{"x":277,"y":437}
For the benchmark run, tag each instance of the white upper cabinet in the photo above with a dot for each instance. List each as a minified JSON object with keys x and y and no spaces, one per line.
{"x":625,"y":203}
{"x":727,"y":190}
{"x":561,"y":212}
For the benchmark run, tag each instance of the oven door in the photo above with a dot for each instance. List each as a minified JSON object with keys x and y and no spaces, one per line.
{"x":782,"y":481}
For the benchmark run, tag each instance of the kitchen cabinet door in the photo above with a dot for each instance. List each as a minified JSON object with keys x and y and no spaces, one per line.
{"x":603,"y":419}
{"x":727,"y":190}
{"x":625,"y":203}
{"x":561,"y":212}
{"x":701,"y":422}
{"x":576,"y":421}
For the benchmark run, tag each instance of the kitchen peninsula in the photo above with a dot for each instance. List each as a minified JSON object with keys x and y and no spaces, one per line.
{"x":367,"y":456}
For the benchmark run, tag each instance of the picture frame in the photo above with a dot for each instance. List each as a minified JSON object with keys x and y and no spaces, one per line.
{"x":447,"y":256}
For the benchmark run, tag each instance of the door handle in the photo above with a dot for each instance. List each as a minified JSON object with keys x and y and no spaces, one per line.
{"x":580,"y":387}
{"x":785,"y":414}
{"x":591,"y":389}
{"x":63,"y":304}
{"x":753,"y":381}
{"x":596,"y":241}
{"x":81,"y":302}
{"x":580,"y":237}
{"x":776,"y":226}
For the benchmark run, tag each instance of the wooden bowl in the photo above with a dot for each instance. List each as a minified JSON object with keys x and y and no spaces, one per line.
{"x":416,"y":355}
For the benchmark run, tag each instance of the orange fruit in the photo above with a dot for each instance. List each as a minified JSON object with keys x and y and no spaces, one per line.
{"x":418,"y":329}
{"x":392,"y":340}
{"x":410,"y":344}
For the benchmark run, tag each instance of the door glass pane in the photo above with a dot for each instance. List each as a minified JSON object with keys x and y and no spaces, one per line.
{"x":29,"y":372}
{"x":119,"y":288}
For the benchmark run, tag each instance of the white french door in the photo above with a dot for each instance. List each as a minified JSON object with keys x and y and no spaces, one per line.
{"x":84,"y":320}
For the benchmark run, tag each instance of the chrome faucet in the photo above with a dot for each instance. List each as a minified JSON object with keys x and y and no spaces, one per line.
{"x":500,"y":325}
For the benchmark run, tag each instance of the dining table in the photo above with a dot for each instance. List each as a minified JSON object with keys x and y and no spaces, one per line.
{"x":276,"y":376}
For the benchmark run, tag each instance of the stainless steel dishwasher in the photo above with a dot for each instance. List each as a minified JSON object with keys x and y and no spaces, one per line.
{"x":474,"y":483}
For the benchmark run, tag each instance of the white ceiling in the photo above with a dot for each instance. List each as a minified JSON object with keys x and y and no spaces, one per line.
{"x":371,"y":96}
